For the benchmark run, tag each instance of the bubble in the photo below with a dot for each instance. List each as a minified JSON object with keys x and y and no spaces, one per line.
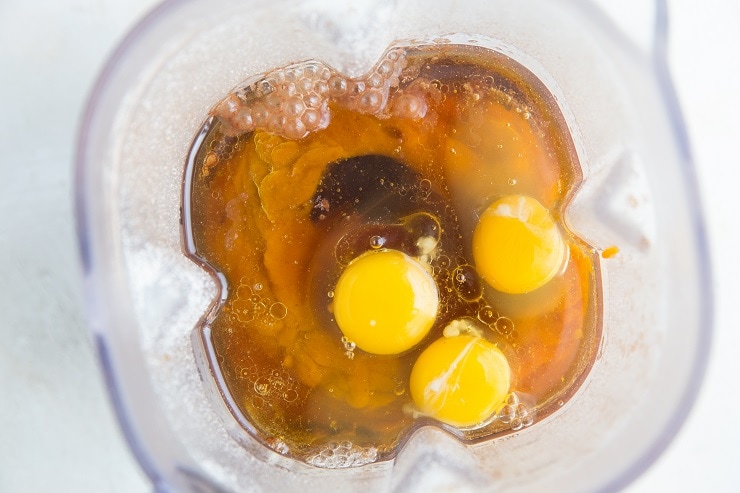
{"x":262,"y":386}
{"x":278,"y":310}
{"x":330,"y":294}
{"x":385,"y":68}
{"x":467,"y":283}
{"x":506,"y":414}
{"x":512,"y":399}
{"x":311,"y":70}
{"x":322,"y":87}
{"x":512,"y":181}
{"x":443,"y":262}
{"x":522,"y":410}
{"x":375,"y":80}
{"x":257,"y":287}
{"x":371,"y":101}
{"x":294,"y":129}
{"x":260,"y":114}
{"x":311,"y":118}
{"x":294,"y":106}
{"x":279,"y":446}
{"x":348,"y":345}
{"x":337,"y":86}
{"x":312,"y":100}
{"x":305,"y":85}
{"x":487,"y":315}
{"x":504,"y":326}
{"x":276,"y":122}
{"x":244,"y":119}
{"x":265,"y":87}
{"x":377,"y":242}
{"x":356,"y":88}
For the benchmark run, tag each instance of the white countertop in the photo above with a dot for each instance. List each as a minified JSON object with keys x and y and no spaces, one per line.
{"x":57,"y":431}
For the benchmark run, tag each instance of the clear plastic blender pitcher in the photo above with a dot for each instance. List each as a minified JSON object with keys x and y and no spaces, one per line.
{"x":146,"y":297}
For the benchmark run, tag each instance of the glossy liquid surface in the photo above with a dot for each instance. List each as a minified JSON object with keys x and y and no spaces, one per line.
{"x":304,"y":170}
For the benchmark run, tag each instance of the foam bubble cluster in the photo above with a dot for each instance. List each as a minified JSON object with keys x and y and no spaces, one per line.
{"x":250,"y":305}
{"x":339,"y":455}
{"x":294,"y":101}
{"x":515,"y":414}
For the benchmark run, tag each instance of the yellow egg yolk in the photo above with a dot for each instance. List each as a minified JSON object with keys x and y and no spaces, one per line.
{"x":385,"y":302}
{"x":461,"y":380}
{"x":517,"y":246}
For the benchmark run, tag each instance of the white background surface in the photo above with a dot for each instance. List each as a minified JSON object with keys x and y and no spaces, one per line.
{"x":57,"y":432}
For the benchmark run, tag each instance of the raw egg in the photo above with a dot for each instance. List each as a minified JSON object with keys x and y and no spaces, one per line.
{"x":461,"y":380}
{"x":517,"y":245}
{"x":385,"y":302}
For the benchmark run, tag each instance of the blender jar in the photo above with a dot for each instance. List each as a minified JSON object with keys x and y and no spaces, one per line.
{"x":146,"y":297}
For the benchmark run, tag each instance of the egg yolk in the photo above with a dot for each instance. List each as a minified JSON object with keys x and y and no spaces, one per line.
{"x":385,"y":302}
{"x":517,"y":246}
{"x":461,"y":380}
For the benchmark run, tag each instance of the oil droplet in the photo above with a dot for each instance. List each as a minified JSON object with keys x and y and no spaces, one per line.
{"x":487,"y":315}
{"x":278,"y":310}
{"x":610,"y":252}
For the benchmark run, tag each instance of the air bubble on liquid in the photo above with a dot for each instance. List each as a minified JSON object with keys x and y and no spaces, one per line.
{"x":278,"y":310}
{"x":443,"y":262}
{"x":422,"y":225}
{"x":337,"y":85}
{"x":348,"y":345}
{"x":515,"y":414}
{"x":342,"y":455}
{"x":466,"y":282}
{"x":262,"y":386}
{"x":377,"y":242}
{"x":504,"y":326}
{"x":487,"y":314}
{"x":290,"y":395}
{"x":521,"y":410}
{"x":279,"y":446}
